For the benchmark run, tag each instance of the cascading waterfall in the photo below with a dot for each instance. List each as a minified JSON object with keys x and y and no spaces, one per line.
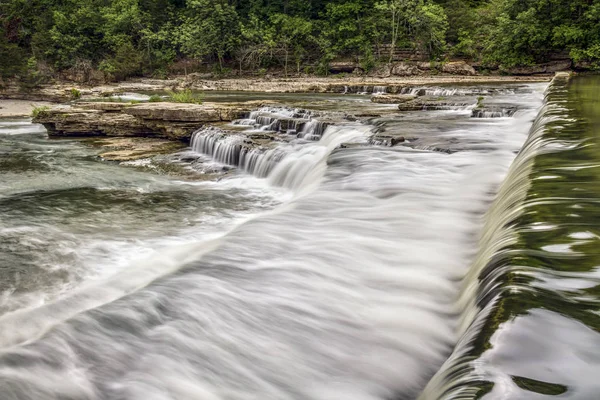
{"x":471,"y":372}
{"x":234,"y":149}
{"x":379,"y":90}
{"x":349,"y":290}
{"x":286,"y":165}
{"x":313,"y":130}
{"x":222,"y":147}
{"x":448,"y":92}
{"x":493,"y":113}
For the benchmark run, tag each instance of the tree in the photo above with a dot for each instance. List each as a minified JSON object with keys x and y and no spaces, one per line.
{"x":291,"y":36}
{"x":209,"y":28}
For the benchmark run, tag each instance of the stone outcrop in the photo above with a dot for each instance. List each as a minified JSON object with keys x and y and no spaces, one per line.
{"x":458,"y":68}
{"x":436,"y":103}
{"x":406,"y":69}
{"x":172,"y":121}
{"x":392,"y":98}
{"x":344,"y":67}
{"x":547,"y":68}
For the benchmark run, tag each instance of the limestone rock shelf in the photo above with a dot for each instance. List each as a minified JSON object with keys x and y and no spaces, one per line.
{"x":172,"y":121}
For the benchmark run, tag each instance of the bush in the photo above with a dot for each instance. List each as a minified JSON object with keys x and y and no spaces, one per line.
{"x":75,"y":94}
{"x":37,"y":110}
{"x":186,"y":96}
{"x":126,"y":62}
{"x":155,"y":99}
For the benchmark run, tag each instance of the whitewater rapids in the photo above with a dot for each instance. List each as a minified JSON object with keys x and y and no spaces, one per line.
{"x":348,"y":291}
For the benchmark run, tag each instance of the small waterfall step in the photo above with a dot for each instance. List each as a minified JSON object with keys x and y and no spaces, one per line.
{"x":494,"y":112}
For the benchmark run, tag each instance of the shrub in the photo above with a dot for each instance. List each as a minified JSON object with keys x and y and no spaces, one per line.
{"x":186,"y":96}
{"x":480,"y":102}
{"x":75,"y":94}
{"x":155,"y":99}
{"x":37,"y":110}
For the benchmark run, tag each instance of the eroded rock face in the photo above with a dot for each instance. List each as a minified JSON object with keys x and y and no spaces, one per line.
{"x":547,"y":68}
{"x":343,"y":67}
{"x":458,"y":68}
{"x":164,"y":120}
{"x":406,"y":69}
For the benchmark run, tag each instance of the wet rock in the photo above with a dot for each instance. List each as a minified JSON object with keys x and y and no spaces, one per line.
{"x":397,"y":140}
{"x":131,"y":149}
{"x":392,"y":98}
{"x":493,"y":112}
{"x":387,"y":140}
{"x":436,"y":103}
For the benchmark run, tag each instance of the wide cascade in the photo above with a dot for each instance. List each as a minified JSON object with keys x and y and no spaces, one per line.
{"x":359,"y":283}
{"x":535,"y":280}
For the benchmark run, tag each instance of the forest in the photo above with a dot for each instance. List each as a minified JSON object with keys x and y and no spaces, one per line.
{"x":124,"y":38}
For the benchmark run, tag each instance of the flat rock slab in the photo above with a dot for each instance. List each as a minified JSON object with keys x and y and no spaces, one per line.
{"x":131,"y":149}
{"x":437,"y":103}
{"x":392,"y":98}
{"x":174,"y":121}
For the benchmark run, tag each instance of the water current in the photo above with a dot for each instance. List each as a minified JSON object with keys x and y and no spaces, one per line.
{"x":325,"y":265}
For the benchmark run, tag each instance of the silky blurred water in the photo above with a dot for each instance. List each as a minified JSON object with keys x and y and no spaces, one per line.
{"x":340,"y":274}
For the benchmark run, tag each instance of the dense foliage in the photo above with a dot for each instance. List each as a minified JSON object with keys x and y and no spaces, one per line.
{"x":124,"y":38}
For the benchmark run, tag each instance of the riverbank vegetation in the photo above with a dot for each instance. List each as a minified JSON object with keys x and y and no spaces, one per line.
{"x":116,"y":39}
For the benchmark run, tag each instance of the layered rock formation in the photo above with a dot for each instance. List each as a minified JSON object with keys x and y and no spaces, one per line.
{"x":161,"y":120}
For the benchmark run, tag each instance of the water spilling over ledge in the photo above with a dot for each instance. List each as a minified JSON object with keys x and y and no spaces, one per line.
{"x":356,"y":283}
{"x":536,"y":334}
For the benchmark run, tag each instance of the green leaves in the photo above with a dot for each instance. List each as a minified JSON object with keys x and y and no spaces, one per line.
{"x":208,"y":28}
{"x":132,"y":37}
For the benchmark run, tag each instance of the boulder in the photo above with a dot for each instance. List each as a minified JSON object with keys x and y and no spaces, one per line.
{"x":405,"y":69}
{"x":458,"y":68}
{"x":384,"y":71}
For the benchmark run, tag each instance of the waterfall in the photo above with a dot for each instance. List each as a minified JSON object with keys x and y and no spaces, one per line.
{"x":277,"y":119}
{"x":222,"y":147}
{"x":353,"y":287}
{"x":313,"y":130}
{"x":458,"y":378}
{"x":379,"y":90}
{"x":493,"y":112}
{"x":288,"y":164}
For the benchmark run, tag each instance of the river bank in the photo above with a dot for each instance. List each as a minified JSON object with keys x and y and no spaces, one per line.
{"x":19,"y":108}
{"x":64,"y":91}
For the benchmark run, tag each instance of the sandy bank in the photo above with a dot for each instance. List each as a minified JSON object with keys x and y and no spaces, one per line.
{"x":19,"y":108}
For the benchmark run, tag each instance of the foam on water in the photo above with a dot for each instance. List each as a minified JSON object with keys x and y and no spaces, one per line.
{"x":352,"y":289}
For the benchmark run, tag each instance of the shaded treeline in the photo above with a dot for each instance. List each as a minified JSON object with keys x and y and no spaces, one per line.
{"x":122,"y":38}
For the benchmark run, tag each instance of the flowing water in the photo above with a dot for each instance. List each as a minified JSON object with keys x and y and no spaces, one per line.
{"x":326,"y":266}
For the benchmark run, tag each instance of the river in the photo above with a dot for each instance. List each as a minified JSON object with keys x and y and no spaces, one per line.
{"x":324,"y":267}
